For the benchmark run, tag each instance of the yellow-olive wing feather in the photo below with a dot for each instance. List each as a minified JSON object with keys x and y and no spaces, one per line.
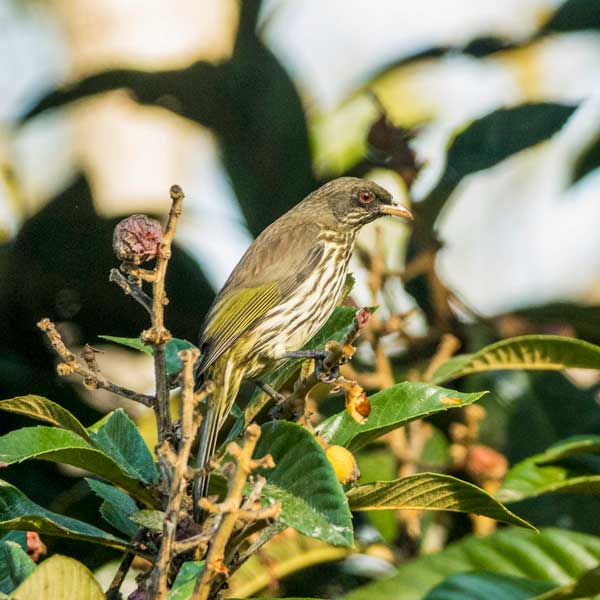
{"x":268,"y":273}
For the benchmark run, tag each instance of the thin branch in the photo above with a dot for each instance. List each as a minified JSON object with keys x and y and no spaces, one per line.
{"x":190,"y":421}
{"x":157,"y":336}
{"x":92,"y":378}
{"x":112,"y":593}
{"x":215,"y":566}
{"x":131,"y":289}
{"x":447,"y":347}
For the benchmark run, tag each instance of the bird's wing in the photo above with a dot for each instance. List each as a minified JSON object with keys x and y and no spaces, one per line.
{"x":267,"y":275}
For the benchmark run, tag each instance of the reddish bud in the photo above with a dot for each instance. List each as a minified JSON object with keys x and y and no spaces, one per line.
{"x":35,"y":547}
{"x":483,"y":462}
{"x":137,"y":239}
{"x":362,"y":317}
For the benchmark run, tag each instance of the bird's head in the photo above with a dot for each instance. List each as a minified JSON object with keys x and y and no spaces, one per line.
{"x":355,"y":202}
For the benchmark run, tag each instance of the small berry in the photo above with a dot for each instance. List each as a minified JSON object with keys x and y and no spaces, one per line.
{"x":137,"y":239}
{"x":344,"y":464}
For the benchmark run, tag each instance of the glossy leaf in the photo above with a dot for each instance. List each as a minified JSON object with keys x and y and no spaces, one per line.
{"x":553,"y":555}
{"x":172,"y":349}
{"x":283,"y":555}
{"x":484,"y":143}
{"x":583,"y":587}
{"x":60,"y":445}
{"x":151,"y":519}
{"x":184,"y":583}
{"x":533,"y":352}
{"x":390,"y":409}
{"x":58,"y":578}
{"x":19,"y":512}
{"x":15,"y":566}
{"x":544,"y":474}
{"x":303,"y":480}
{"x":120,"y":439}
{"x":487,"y":586}
{"x":116,"y":507}
{"x":430,"y":491}
{"x":42,"y":409}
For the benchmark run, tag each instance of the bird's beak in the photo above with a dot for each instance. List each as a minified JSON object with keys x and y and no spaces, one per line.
{"x":397,"y":210}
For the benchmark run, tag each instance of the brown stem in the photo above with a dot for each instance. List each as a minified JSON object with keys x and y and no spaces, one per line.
{"x":190,"y":421}
{"x":214,"y":566}
{"x":131,"y":289}
{"x":447,"y":347}
{"x":112,"y":593}
{"x":92,"y":378}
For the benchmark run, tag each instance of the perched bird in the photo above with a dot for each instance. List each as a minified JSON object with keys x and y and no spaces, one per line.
{"x":281,"y":292}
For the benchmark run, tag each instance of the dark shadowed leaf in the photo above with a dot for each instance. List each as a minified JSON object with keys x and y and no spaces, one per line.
{"x":120,"y":439}
{"x":552,"y":472}
{"x":60,"y":445}
{"x":15,"y":566}
{"x":116,"y":507}
{"x":587,"y":161}
{"x":390,"y":409}
{"x":430,"y":491}
{"x":42,"y":409}
{"x":487,"y":586}
{"x":172,"y":349}
{"x":484,"y":143}
{"x":303,"y":480}
{"x":19,"y":512}
{"x":553,"y":555}
{"x":532,"y":352}
{"x":574,"y":15}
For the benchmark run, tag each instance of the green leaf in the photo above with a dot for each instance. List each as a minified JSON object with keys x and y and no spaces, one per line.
{"x":19,"y":512}
{"x":303,"y":480}
{"x":172,"y":349}
{"x":491,"y":139}
{"x":335,"y":329}
{"x":553,"y":555}
{"x":116,"y":507}
{"x":58,"y":578}
{"x":120,"y":439}
{"x":15,"y":566}
{"x":60,"y":445}
{"x":430,"y":491}
{"x":279,"y":558}
{"x":487,"y":586}
{"x":585,"y":586}
{"x":587,"y":161}
{"x":184,"y":583}
{"x":390,"y":409}
{"x":540,"y":474}
{"x":532,"y":352}
{"x":151,"y":519}
{"x":42,"y":409}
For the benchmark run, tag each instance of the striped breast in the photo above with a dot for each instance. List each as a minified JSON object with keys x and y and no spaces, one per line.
{"x":289,"y":325}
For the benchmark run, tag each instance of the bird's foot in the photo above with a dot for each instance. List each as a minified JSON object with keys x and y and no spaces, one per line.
{"x":270,"y":391}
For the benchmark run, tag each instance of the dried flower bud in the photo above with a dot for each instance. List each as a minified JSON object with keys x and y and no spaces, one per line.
{"x":137,"y":239}
{"x":343,"y":463}
{"x":483,"y":462}
{"x":357,"y":403}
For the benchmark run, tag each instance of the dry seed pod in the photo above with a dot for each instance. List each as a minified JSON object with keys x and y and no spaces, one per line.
{"x":357,"y":403}
{"x":137,"y":239}
{"x":343,"y":463}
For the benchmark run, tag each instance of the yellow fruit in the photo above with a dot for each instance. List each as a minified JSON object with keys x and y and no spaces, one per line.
{"x":344,"y":465}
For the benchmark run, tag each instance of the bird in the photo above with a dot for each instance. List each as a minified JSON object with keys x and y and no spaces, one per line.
{"x":281,"y":292}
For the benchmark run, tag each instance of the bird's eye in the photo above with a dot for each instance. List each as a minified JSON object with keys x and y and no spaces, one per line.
{"x":365,"y":196}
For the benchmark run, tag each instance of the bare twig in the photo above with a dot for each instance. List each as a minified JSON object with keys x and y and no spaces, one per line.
{"x":231,"y":507}
{"x":131,"y":289}
{"x":190,"y":421}
{"x":447,"y":347}
{"x":112,"y":593}
{"x":92,"y":378}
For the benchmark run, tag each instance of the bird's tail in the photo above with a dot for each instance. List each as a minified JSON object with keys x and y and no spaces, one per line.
{"x":227,"y":383}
